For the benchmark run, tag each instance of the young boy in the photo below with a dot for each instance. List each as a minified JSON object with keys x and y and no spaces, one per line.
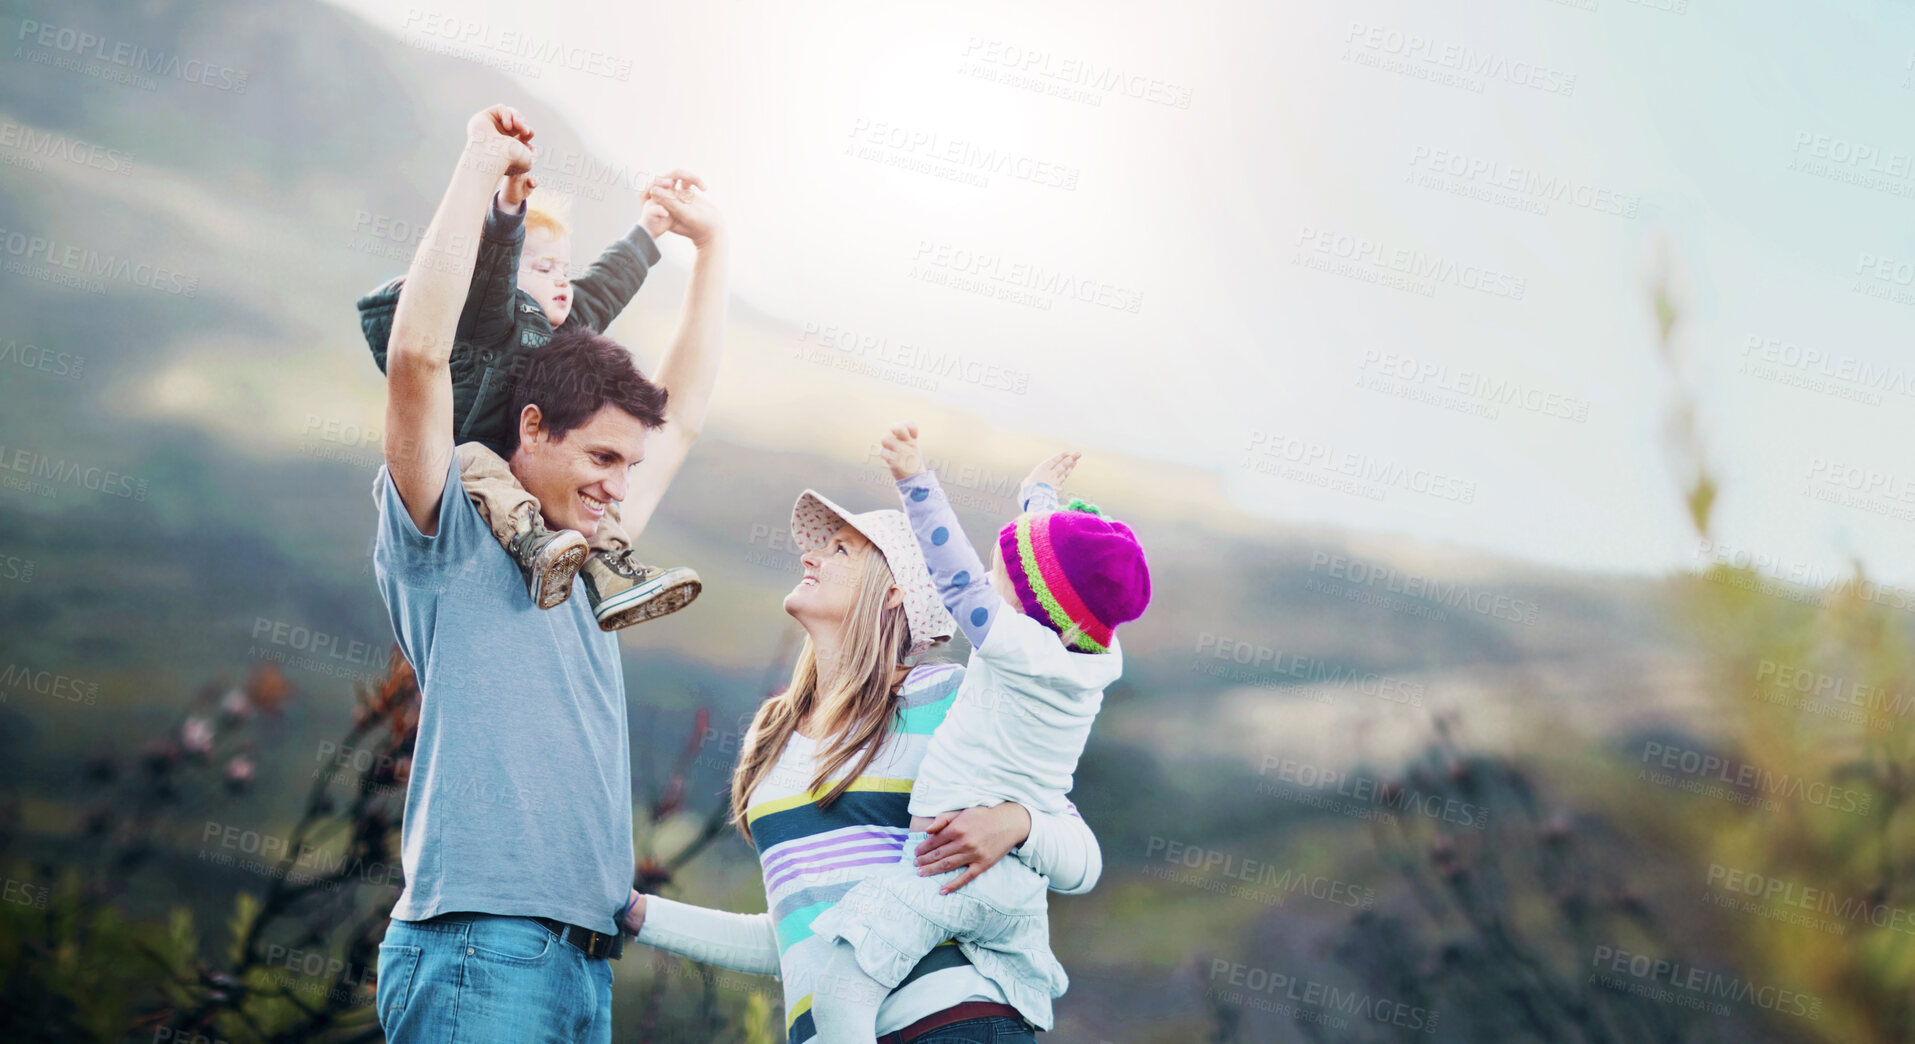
{"x":1042,"y":625}
{"x":522,"y":292}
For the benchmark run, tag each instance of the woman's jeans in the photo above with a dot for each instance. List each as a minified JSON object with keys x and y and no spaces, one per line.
{"x":484,"y":978}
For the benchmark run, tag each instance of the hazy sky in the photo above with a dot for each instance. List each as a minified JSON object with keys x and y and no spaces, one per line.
{"x":1380,"y":265}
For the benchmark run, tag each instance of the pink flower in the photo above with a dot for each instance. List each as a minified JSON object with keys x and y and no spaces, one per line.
{"x":239,"y":772}
{"x":196,"y":736}
{"x":236,"y":706}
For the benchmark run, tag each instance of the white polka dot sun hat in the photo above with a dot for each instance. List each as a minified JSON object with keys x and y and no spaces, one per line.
{"x":815,"y":517}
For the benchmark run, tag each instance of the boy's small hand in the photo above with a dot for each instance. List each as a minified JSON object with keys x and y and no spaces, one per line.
{"x":692,"y":213}
{"x":900,"y":451}
{"x":1054,"y":470}
{"x":655,"y":218}
{"x":517,"y":188}
{"x":501,"y":128}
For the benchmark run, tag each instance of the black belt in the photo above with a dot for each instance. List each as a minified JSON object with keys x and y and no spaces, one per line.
{"x":955,"y":1013}
{"x":595,"y":944}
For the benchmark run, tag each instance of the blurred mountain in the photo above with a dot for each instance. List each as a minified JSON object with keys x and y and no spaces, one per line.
{"x":247,"y":411}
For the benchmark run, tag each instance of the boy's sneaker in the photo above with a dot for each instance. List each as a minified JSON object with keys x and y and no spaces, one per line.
{"x":625,"y":591}
{"x":548,"y":560}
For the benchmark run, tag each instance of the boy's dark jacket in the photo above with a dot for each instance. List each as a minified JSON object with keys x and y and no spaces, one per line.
{"x":502,"y":326}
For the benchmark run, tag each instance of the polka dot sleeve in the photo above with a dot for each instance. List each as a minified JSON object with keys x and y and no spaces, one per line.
{"x":961,"y":578}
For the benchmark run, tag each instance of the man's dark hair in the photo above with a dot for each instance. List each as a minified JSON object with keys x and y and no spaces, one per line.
{"x":578,"y":372}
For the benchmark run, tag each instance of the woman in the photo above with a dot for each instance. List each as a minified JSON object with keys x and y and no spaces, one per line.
{"x":824,"y":779}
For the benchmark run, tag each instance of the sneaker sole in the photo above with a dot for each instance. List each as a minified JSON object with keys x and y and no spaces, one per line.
{"x":670,"y":592}
{"x":555,"y":581}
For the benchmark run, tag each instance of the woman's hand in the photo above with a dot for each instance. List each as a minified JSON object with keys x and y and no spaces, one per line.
{"x":681,"y":195}
{"x":634,"y":918}
{"x":974,"y":838}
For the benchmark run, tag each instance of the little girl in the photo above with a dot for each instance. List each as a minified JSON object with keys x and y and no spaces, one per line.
{"x":1043,"y":650}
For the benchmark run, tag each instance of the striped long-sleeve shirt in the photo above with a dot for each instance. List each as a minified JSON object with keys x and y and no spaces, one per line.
{"x":812,"y":856}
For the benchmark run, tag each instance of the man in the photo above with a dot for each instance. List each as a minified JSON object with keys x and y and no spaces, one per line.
{"x":517,"y":840}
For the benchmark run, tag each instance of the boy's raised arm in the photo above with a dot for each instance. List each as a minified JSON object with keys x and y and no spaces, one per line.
{"x":608,"y":284}
{"x":689,"y":367}
{"x":418,"y":440}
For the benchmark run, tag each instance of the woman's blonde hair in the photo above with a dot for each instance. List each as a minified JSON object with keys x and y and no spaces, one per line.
{"x":850,"y":703}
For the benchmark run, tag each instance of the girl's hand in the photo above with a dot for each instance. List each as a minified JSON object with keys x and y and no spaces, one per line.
{"x":1054,"y":470}
{"x":634,"y":918}
{"x":974,"y":838}
{"x":900,"y":451}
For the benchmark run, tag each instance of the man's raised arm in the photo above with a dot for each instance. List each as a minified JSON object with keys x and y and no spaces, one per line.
{"x":418,"y":442}
{"x":689,"y":367}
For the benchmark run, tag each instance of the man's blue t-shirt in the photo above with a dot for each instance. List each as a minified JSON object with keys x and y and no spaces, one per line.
{"x":520,"y":797}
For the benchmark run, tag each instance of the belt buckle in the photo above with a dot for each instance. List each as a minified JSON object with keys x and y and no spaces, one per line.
{"x":591,"y":948}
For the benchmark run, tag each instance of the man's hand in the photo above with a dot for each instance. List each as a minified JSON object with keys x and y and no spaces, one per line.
{"x":501,"y":133}
{"x":634,"y":918}
{"x":681,"y":194}
{"x":900,"y":451}
{"x":974,"y":838}
{"x":1053,"y":471}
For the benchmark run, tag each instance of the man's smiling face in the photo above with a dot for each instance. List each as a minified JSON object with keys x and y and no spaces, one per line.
{"x":574,"y":477}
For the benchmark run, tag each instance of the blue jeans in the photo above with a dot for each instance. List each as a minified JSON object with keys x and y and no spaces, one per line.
{"x":483,"y":978}
{"x":991,"y":1029}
